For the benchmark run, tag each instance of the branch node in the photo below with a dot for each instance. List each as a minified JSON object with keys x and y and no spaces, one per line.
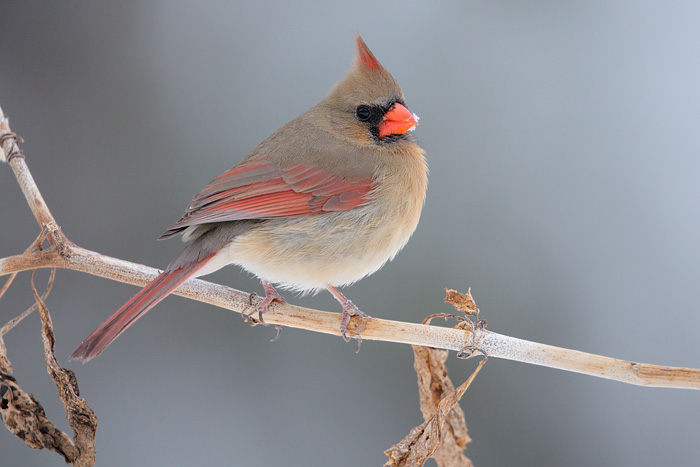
{"x":8,"y":143}
{"x":58,"y":239}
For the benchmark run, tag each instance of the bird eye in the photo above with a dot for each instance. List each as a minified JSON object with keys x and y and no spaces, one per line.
{"x":363,"y":113}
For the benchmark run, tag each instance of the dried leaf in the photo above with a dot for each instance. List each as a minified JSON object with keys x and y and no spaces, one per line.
{"x":462,"y":302}
{"x":80,"y":416}
{"x":413,"y":450}
{"x":26,"y":419}
{"x":443,"y":436}
{"x":4,"y":361}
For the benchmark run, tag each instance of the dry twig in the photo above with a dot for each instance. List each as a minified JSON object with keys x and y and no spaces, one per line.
{"x":4,"y":360}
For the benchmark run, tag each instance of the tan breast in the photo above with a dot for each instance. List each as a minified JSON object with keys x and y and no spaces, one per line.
{"x":338,"y":248}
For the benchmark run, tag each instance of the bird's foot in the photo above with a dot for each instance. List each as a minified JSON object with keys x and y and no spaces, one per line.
{"x":267,"y":301}
{"x":270,"y":296}
{"x":349,"y":310}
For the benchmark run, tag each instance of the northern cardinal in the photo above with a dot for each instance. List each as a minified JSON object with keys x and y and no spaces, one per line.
{"x":324,"y":201}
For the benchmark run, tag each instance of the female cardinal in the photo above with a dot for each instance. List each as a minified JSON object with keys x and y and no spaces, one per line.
{"x":324,"y":201}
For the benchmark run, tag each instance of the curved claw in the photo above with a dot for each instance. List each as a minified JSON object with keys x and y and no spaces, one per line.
{"x":278,"y":328}
{"x":344,"y":325}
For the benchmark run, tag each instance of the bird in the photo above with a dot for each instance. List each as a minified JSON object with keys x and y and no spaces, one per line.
{"x":324,"y":201}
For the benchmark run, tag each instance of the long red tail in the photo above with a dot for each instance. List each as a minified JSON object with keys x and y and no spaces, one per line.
{"x":132,"y":310}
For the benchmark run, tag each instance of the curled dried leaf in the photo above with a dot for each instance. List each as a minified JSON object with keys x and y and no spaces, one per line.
{"x":26,"y":419}
{"x":462,"y":302}
{"x":5,"y":365}
{"x":80,"y":416}
{"x":443,"y":436}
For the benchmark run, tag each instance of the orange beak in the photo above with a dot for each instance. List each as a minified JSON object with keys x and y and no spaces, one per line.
{"x":397,"y":121}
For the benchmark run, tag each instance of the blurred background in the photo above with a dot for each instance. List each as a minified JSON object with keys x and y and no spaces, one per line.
{"x":564,"y":152}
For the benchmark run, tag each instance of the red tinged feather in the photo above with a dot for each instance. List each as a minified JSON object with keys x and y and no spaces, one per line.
{"x":132,"y":310}
{"x":258,"y":189}
{"x":365,"y":56}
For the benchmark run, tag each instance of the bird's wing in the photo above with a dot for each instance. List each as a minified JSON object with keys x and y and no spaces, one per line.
{"x":260,"y":189}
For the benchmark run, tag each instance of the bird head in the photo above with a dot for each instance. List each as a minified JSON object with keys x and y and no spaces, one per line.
{"x":367,"y":106}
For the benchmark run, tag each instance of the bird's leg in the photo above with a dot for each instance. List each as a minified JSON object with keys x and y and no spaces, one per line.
{"x":349,"y":309}
{"x":270,"y":296}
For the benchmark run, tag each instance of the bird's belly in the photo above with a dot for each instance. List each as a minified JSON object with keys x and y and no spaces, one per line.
{"x":309,"y":253}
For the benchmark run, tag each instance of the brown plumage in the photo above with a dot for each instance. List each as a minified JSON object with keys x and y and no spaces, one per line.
{"x":324,"y":201}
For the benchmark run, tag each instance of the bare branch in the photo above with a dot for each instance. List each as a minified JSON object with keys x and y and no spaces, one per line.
{"x":492,"y":344}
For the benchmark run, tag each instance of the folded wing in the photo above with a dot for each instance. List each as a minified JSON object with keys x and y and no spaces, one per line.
{"x":259,"y":189}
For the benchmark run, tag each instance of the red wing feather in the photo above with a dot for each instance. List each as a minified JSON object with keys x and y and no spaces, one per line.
{"x":258,"y":189}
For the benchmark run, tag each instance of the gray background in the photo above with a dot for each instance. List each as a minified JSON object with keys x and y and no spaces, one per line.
{"x":563,"y":146}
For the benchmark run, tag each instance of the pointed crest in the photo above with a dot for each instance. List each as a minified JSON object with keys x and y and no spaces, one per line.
{"x":368,"y":82}
{"x":365,"y":56}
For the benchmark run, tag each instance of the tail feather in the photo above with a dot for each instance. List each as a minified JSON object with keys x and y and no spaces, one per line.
{"x":132,"y":310}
